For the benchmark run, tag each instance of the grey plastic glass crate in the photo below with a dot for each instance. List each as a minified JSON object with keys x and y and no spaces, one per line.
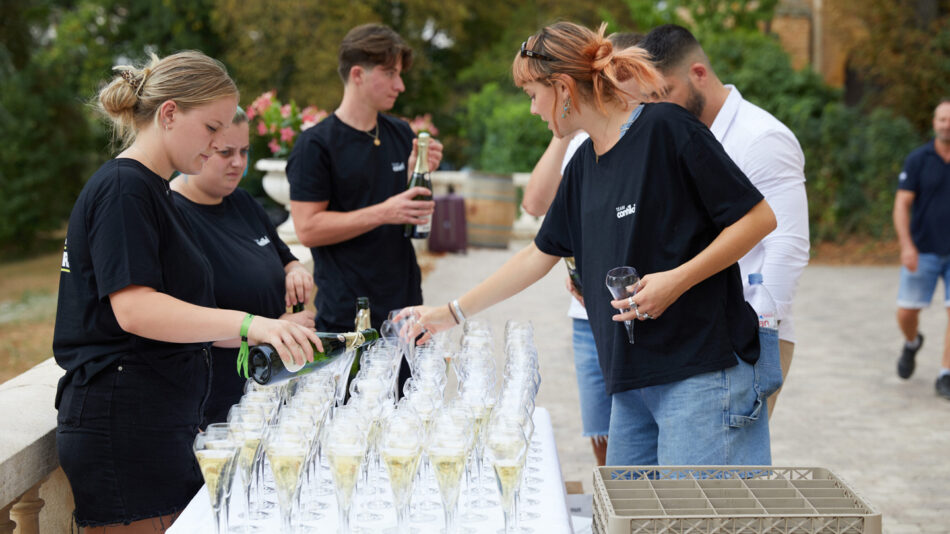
{"x":728,"y":500}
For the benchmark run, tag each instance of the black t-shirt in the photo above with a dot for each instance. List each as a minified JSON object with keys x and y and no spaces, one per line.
{"x":334,"y":162}
{"x":124,"y":230}
{"x":654,"y":201}
{"x":248,"y":260}
{"x":927,"y":176}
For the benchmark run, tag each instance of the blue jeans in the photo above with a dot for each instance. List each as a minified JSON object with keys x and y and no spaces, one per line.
{"x":716,"y":418}
{"x":595,"y":403}
{"x":917,"y":288}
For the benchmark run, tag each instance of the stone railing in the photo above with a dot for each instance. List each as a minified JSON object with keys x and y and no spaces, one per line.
{"x":34,"y":494}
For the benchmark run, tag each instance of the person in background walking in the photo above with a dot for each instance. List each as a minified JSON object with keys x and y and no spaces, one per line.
{"x":922,"y":223}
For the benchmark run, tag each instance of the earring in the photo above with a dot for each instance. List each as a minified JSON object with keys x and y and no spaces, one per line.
{"x":566,"y":109}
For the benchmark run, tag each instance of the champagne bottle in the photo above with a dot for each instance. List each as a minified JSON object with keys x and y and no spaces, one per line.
{"x":266,"y":367}
{"x":362,"y":322}
{"x":420,"y":177}
{"x":575,"y":276}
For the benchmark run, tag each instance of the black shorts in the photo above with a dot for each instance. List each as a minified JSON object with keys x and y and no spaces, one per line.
{"x":125,"y":438}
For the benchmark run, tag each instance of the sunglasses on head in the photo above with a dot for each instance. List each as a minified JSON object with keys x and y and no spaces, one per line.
{"x":527,"y":52}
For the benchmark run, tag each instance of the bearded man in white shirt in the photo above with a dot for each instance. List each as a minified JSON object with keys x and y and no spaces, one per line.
{"x":763,"y":148}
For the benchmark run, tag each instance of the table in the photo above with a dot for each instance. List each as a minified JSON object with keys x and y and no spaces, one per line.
{"x":551,"y":507}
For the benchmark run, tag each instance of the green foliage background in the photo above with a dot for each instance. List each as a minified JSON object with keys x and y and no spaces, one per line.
{"x":55,"y":53}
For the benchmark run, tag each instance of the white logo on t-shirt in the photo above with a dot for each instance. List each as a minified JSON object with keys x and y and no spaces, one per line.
{"x":623,"y":211}
{"x":65,"y":266}
{"x":262,"y":242}
{"x":399,"y":166}
{"x":902,"y":176}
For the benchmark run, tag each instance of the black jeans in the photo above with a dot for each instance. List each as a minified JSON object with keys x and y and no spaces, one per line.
{"x":125,"y":438}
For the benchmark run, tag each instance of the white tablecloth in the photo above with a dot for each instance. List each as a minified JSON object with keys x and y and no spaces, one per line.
{"x":551,"y":508}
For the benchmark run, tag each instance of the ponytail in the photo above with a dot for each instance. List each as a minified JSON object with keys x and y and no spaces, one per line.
{"x":587,"y":64}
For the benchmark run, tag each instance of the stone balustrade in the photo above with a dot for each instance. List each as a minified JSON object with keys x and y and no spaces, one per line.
{"x":34,"y":494}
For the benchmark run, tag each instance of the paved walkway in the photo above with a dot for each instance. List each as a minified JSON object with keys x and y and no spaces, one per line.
{"x":842,"y":407}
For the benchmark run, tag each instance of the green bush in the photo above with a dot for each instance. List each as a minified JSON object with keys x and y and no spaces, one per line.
{"x":503,"y":135}
{"x":852,"y":157}
{"x":45,"y":153}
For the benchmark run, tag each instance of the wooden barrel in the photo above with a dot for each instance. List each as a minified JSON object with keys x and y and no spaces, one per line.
{"x":489,"y":209}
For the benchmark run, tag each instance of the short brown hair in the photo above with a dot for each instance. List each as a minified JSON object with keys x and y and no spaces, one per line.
{"x":370,"y":45}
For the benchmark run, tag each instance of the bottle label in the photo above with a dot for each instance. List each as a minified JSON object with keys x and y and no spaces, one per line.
{"x":426,"y":227}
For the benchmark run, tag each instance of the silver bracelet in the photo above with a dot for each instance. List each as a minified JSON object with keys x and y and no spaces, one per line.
{"x":458,"y":310}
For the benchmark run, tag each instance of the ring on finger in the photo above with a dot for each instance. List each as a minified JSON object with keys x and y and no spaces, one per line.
{"x":638,"y":313}
{"x":647,"y":316}
{"x":631,"y":303}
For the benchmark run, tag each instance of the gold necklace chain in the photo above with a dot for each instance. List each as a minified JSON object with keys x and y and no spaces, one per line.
{"x":374,"y":135}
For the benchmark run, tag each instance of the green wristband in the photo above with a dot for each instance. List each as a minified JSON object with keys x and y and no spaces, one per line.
{"x":245,"y":351}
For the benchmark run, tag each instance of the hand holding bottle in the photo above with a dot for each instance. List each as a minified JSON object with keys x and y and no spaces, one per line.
{"x":291,"y":340}
{"x":434,"y":155}
{"x":402,"y":209}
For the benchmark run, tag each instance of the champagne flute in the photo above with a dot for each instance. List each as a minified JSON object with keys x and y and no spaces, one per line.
{"x":506,"y":447}
{"x":619,"y":280}
{"x":216,"y":452}
{"x":286,"y":448}
{"x":400,"y":446}
{"x":345,"y":446}
{"x":447,"y":448}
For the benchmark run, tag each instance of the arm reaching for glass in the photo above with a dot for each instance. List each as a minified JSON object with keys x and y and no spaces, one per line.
{"x":523,"y":269}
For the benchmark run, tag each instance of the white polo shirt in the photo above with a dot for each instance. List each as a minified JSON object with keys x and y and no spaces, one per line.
{"x":769,"y":154}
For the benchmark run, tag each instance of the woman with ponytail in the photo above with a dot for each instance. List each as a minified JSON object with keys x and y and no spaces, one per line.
{"x":136,"y":312}
{"x":652,"y":189}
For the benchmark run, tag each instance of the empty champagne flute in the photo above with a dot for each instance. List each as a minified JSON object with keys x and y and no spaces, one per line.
{"x":216,"y":451}
{"x":619,"y":281}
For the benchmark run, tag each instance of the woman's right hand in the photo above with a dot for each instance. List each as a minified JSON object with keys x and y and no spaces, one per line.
{"x":291,"y":340}
{"x":427,"y":320}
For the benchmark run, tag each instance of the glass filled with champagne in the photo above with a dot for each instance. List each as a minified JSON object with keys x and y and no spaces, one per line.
{"x":286,"y":448}
{"x":506,"y":448}
{"x":448,"y":445}
{"x":400,"y":447}
{"x":345,"y":447}
{"x":216,"y":452}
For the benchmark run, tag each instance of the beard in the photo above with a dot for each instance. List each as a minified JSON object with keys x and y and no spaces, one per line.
{"x":695,"y":101}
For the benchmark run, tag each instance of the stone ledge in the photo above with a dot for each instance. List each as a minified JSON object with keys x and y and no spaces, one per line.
{"x":28,"y":441}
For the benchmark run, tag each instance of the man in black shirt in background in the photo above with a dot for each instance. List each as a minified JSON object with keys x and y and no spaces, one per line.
{"x":348,"y":178}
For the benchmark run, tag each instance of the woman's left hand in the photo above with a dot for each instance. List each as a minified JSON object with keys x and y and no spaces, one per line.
{"x":657,"y":291}
{"x":299,"y":285}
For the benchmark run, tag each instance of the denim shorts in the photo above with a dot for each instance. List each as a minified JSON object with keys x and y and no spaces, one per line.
{"x":716,"y":418}
{"x":595,"y":403}
{"x":125,"y":438}
{"x":917,"y":288}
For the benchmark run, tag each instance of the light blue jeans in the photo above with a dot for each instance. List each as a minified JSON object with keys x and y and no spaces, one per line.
{"x":716,"y":418}
{"x":595,"y":403}
{"x":917,"y":288}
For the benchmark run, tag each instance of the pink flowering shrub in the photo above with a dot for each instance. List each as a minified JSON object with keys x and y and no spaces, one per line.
{"x":280,"y":123}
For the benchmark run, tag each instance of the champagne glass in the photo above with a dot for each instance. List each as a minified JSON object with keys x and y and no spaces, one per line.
{"x":400,"y":446}
{"x":247,"y":424}
{"x":506,"y":447}
{"x":447,"y":448}
{"x":286,"y":448}
{"x":619,"y":281}
{"x":345,"y":446}
{"x":216,"y":452}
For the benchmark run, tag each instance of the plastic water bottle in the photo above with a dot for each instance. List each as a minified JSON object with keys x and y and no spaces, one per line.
{"x":762,"y":302}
